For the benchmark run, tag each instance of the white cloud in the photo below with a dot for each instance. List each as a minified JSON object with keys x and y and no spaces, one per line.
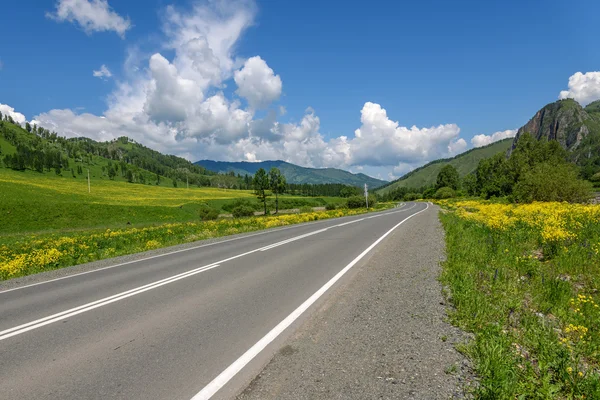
{"x":381,"y":141}
{"x":91,"y":15}
{"x":103,"y":73}
{"x":257,"y":83}
{"x":484,"y":140}
{"x":16,"y":116}
{"x":584,"y":88}
{"x":177,"y":105}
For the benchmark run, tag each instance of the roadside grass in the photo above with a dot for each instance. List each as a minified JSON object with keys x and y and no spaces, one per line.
{"x":22,"y":255}
{"x":32,"y":202}
{"x":524,"y":279}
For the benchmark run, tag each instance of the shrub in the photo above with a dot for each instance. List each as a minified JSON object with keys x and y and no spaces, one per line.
{"x":208,"y":213}
{"x":243,"y":211}
{"x":241,"y":202}
{"x":330,"y":207}
{"x":444,"y":193}
{"x":305,"y":209}
{"x":411,"y":196}
{"x":551,"y":182}
{"x":359,"y":201}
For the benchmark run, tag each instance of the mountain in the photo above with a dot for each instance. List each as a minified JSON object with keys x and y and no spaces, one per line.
{"x":465,"y":163}
{"x":293,"y":173}
{"x":576,"y":128}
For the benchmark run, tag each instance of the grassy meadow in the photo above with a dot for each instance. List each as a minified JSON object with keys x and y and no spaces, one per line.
{"x":49,"y":222}
{"x":31,"y":203}
{"x":524,"y":280}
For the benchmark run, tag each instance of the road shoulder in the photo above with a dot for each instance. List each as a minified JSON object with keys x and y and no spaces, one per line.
{"x":382,"y":334}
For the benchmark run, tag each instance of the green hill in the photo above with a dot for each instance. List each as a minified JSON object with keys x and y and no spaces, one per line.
{"x":464,"y":163}
{"x":294,"y":173}
{"x":37,"y":149}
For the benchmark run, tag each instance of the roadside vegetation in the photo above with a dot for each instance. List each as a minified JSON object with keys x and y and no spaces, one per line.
{"x":28,"y":254}
{"x":524,"y":279}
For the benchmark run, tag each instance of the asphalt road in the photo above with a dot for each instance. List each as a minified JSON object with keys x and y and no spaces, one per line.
{"x":196,"y":323}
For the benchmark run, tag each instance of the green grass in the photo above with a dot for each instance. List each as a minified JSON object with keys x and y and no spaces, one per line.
{"x":464,"y":163}
{"x":516,"y":295}
{"x":32,"y":202}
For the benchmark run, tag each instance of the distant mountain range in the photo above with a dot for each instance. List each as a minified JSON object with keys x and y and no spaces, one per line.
{"x":294,"y":173}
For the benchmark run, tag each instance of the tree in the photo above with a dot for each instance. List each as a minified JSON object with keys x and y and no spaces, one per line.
{"x":174,"y":183}
{"x":278,"y":184}
{"x":552,"y":182}
{"x":448,"y":177}
{"x":261,"y":185}
{"x":28,"y":127}
{"x":111,"y":172}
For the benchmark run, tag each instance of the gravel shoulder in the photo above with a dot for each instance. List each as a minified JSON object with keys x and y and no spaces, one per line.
{"x":381,"y":334}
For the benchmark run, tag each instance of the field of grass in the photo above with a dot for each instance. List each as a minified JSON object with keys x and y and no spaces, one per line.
{"x":524,"y":280}
{"x":33,"y":202}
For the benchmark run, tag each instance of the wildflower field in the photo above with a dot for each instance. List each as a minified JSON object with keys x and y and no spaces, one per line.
{"x":524,"y":280}
{"x":29,"y":254}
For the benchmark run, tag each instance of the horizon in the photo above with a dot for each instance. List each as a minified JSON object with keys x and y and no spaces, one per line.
{"x":245,"y":81}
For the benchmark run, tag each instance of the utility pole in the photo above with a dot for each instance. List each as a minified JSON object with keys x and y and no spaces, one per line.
{"x":367,"y":196}
{"x":89,"y":188}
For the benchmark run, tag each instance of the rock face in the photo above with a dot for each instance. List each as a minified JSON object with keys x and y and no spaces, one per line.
{"x":564,"y":121}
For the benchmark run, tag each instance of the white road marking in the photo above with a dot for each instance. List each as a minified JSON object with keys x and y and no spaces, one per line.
{"x":98,"y":303}
{"x":221,"y":380}
{"x":351,"y":222}
{"x":269,"y":247}
{"x":171,"y":252}
{"x":123,"y":295}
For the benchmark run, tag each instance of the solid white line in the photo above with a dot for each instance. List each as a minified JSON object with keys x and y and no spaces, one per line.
{"x":175,"y":252}
{"x":221,"y":380}
{"x":269,"y":247}
{"x":90,"y":306}
{"x":351,"y":222}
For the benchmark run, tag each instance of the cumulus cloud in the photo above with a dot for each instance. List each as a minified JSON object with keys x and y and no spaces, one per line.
{"x":484,"y":140}
{"x":103,"y":73}
{"x":175,"y":102}
{"x":16,"y":116}
{"x":91,"y":16}
{"x":584,"y":88}
{"x":381,"y":141}
{"x":257,"y":83}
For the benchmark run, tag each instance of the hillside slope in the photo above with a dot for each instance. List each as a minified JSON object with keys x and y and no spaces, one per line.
{"x":37,"y":149}
{"x":294,"y":173}
{"x":465,"y":163}
{"x":577,"y":129}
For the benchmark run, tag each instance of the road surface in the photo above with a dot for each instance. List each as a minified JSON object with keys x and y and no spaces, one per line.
{"x":196,"y":323}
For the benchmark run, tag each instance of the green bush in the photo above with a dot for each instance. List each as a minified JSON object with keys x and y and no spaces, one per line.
{"x":551,"y":182}
{"x":306,"y":209}
{"x":359,"y":202}
{"x":444,"y":193}
{"x":208,"y":213}
{"x":241,"y":202}
{"x":330,"y":207}
{"x":243,"y":211}
{"x":411,"y":196}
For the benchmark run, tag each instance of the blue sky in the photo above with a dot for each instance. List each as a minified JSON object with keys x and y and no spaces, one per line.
{"x":296,"y":80}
